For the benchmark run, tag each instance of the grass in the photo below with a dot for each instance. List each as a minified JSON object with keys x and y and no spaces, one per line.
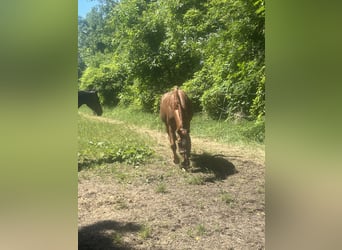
{"x":121,"y":204}
{"x":202,"y":126}
{"x":226,"y":197}
{"x":100,"y":142}
{"x":161,"y":188}
{"x":145,"y":232}
{"x":135,"y":117}
{"x":196,"y":180}
{"x":117,"y":239}
{"x":199,"y":230}
{"x":242,"y":132}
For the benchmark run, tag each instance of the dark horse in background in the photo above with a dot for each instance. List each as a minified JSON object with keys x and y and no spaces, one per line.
{"x":91,"y":99}
{"x":176,"y":113}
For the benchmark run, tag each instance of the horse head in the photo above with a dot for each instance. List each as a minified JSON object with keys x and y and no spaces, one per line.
{"x":184,"y":145}
{"x":95,"y":103}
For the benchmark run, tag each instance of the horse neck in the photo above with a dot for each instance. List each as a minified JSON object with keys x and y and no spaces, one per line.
{"x":178,"y":110}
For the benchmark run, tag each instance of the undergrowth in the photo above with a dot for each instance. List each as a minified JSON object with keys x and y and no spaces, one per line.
{"x":100,"y":143}
{"x":202,"y":126}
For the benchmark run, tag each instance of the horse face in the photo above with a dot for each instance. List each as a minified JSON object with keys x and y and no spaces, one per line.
{"x":184,"y":145}
{"x":98,"y":109}
{"x":96,"y":105}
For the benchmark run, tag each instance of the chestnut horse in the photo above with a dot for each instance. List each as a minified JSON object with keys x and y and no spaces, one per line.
{"x":176,"y":113}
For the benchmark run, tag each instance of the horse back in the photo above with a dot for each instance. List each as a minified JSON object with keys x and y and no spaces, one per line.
{"x":176,"y":100}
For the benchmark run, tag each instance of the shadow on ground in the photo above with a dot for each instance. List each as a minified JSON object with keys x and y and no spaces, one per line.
{"x":219,"y":167}
{"x":105,"y":235}
{"x":86,"y":163}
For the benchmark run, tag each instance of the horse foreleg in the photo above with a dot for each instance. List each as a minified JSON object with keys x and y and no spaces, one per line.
{"x":172,"y":138}
{"x":186,"y":153}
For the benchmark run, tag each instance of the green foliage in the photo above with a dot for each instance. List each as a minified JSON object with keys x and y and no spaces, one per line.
{"x":135,"y":50}
{"x":131,"y":154}
{"x":108,"y":143}
{"x":197,"y":231}
{"x":232,"y":131}
{"x":233,"y":60}
{"x":226,"y":197}
{"x":107,"y":79}
{"x":195,"y":180}
{"x":201,"y":230}
{"x":213,"y":101}
{"x":255,"y":131}
{"x":135,"y":116}
{"x":257,"y":108}
{"x":203,"y":126}
{"x":117,"y":238}
{"x":145,"y":232}
{"x":161,"y":188}
{"x":130,"y":96}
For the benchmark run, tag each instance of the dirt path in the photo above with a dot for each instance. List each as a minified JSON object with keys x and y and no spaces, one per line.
{"x":218,"y":204}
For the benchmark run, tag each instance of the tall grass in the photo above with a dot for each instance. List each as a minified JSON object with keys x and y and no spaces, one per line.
{"x":227,"y":131}
{"x":202,"y":126}
{"x":135,"y":117}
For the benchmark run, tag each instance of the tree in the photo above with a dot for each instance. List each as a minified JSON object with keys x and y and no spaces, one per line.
{"x":134,"y":50}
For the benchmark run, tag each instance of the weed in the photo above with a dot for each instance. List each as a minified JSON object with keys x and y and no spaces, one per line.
{"x":145,"y":232}
{"x":161,"y":188}
{"x":200,"y":229}
{"x":117,"y":239}
{"x":261,"y":190}
{"x":226,"y":197}
{"x":121,"y":204}
{"x":201,"y":205}
{"x":190,"y":233}
{"x":196,"y":180}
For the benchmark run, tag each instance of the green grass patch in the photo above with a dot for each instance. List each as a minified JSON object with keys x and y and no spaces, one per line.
{"x":195,"y":180}
{"x":121,"y":204}
{"x":227,"y":131}
{"x":134,"y":116}
{"x":161,"y":188}
{"x":145,"y":232}
{"x":117,"y":239}
{"x":101,"y":142}
{"x":226,"y":197}
{"x":202,"y":126}
{"x":200,"y":229}
{"x":197,"y":231}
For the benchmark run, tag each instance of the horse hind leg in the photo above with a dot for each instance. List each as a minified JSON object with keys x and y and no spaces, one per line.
{"x":175,"y":156}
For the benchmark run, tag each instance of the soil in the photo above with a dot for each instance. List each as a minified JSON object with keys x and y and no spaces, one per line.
{"x":217,"y":203}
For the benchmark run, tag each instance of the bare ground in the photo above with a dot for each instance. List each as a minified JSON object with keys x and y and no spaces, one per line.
{"x":218,"y":203}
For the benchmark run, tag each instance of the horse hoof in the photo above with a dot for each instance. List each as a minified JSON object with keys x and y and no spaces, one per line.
{"x":176,"y":161}
{"x":185,"y":163}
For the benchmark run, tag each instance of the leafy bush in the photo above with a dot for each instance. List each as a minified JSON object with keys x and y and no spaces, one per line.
{"x":130,"y":96}
{"x":136,"y":50}
{"x":255,"y":132}
{"x":213,"y":102}
{"x":107,"y":79}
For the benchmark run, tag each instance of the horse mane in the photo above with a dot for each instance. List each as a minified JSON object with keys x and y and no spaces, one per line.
{"x":179,"y":106}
